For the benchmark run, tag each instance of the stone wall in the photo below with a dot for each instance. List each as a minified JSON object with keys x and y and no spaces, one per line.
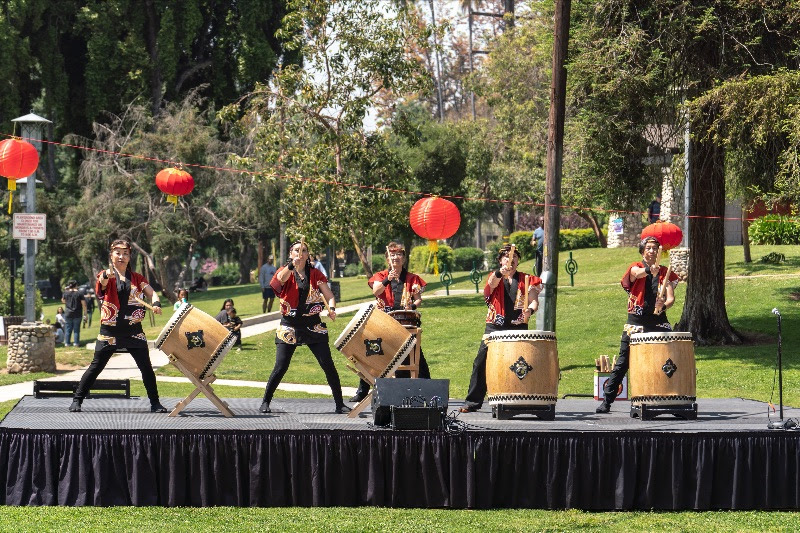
{"x":31,"y":348}
{"x":632,"y":230}
{"x":679,"y":260}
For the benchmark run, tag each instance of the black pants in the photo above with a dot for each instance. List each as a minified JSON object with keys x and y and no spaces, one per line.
{"x":103,"y":352}
{"x":611,"y":387}
{"x":283,"y":357}
{"x":477,"y":382}
{"x":424,"y":373}
{"x":539,"y":257}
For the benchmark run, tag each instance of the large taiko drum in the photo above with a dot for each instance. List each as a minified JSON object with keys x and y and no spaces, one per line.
{"x":376,"y":341}
{"x":522,"y":368}
{"x":662,"y":370}
{"x":407,"y":317}
{"x":196,"y":339}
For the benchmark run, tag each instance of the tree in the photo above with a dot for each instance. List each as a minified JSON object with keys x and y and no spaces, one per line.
{"x":654,"y":53}
{"x":120,"y":197}
{"x":310,"y":120}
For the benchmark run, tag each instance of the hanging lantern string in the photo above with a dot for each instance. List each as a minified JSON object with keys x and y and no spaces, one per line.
{"x":322,"y":181}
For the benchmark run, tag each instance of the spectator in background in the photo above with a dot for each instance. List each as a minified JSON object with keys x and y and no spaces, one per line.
{"x":264,"y":277}
{"x":538,"y":241}
{"x":234,"y":324}
{"x":75,"y":310}
{"x":60,"y":320}
{"x":183,"y":298}
{"x":222,"y":316}
{"x":654,"y":209}
{"x":59,"y":330}
{"x":90,"y":305}
{"x":316,"y":263}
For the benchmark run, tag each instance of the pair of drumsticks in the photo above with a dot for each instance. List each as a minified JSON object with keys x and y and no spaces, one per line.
{"x":663,"y":286}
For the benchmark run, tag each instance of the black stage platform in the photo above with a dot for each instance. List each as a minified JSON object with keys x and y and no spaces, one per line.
{"x":117,"y":453}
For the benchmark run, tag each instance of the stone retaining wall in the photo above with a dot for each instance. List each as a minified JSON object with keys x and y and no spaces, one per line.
{"x":679,"y":260}
{"x":31,"y":348}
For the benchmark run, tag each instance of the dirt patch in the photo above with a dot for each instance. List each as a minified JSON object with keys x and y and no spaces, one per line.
{"x":66,"y":367}
{"x":794,"y":296}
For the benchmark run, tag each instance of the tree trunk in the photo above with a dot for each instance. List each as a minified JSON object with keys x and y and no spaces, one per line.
{"x":591,"y":219}
{"x":246,"y":258}
{"x":361,"y":255}
{"x":151,"y":42}
{"x":746,"y":234}
{"x":508,"y":218}
{"x":704,"y":313}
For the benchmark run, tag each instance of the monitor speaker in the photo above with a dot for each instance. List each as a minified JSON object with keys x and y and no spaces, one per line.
{"x":412,"y":394}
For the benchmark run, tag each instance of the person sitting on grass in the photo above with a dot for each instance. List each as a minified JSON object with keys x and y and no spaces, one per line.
{"x":234,"y":324}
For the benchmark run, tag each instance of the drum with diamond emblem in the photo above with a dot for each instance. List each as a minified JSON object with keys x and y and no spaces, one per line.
{"x":662,"y":370}
{"x":522,"y":368}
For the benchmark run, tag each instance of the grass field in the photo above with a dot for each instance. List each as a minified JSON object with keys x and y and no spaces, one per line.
{"x":590,"y":318}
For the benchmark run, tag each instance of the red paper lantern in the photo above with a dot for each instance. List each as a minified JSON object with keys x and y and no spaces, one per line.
{"x":174,"y":182}
{"x":18,"y":159}
{"x":435,"y":218}
{"x":668,"y":234}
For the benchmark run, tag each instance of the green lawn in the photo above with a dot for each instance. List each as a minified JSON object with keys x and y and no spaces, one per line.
{"x":176,"y":520}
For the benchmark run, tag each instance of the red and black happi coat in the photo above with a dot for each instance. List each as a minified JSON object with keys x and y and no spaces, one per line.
{"x":412,"y":285}
{"x":636,"y":289}
{"x":121,"y":318}
{"x":289,"y":294}
{"x":501,"y":316}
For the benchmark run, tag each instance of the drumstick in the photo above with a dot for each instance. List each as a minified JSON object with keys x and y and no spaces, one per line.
{"x":147,"y":305}
{"x":525,"y":278}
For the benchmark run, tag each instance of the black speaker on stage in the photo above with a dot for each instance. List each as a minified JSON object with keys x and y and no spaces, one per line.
{"x":396,"y":399}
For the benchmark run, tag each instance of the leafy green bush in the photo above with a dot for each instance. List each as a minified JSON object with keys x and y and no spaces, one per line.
{"x":775,"y":229}
{"x":357,"y":269}
{"x":463,"y":258}
{"x":573,"y":239}
{"x":19,"y":294}
{"x":352,"y":269}
{"x":228,"y":274}
{"x":418,"y":259}
{"x":568,"y":239}
{"x":522,"y":239}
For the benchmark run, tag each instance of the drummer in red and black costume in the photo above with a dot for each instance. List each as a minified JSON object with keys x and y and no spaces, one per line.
{"x":396,"y":289}
{"x":121,"y":293}
{"x":508,"y":310}
{"x":646,"y":311}
{"x":301,"y":289}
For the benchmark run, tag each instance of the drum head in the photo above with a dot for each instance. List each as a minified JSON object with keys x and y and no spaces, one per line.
{"x":176,"y":317}
{"x":355,"y":323}
{"x":657,"y":336}
{"x":522,"y":335}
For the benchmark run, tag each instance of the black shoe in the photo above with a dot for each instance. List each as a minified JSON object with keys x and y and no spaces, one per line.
{"x":603,"y":407}
{"x":157,"y":408}
{"x":357,"y":398}
{"x":342,"y":410}
{"x":265,"y":407}
{"x":76,"y":406}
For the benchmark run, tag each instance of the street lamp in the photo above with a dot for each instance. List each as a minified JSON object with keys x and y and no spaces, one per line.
{"x":31,"y":130}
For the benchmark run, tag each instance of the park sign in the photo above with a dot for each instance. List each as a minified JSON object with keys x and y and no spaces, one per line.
{"x":30,"y":226}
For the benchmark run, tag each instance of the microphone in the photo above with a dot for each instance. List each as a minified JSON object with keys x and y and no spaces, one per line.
{"x":776,"y":312}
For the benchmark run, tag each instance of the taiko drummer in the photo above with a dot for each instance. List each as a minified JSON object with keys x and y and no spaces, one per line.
{"x":396,"y":289}
{"x":304,"y":293}
{"x":649,"y":298}
{"x":512,"y":297}
{"x":121,"y":293}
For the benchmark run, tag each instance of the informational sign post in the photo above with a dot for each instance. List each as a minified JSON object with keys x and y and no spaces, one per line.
{"x":30,"y":226}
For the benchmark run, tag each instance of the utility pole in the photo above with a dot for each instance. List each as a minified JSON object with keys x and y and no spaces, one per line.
{"x":555,"y":146}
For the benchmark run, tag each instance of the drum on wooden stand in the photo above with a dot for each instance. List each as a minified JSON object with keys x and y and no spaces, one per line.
{"x":375,"y":343}
{"x":522,"y":373}
{"x":408,"y":318}
{"x":196,"y":344}
{"x":662,"y":375}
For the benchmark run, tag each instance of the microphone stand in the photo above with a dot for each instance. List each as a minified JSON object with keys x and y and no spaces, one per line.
{"x":780,"y":424}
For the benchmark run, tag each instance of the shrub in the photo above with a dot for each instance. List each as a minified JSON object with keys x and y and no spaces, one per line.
{"x":464,"y":257}
{"x":568,"y":239}
{"x":351,"y":270}
{"x":573,"y":239}
{"x":228,"y":274}
{"x":418,"y":259}
{"x":19,"y":294}
{"x":773,"y":258}
{"x":775,"y":229}
{"x":522,"y":239}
